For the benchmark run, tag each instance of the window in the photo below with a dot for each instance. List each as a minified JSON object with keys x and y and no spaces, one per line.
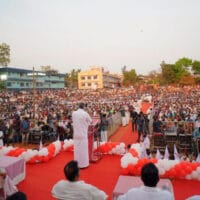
{"x":83,"y":84}
{"x":89,"y":77}
{"x":82,"y":77}
{"x":89,"y":84}
{"x":9,"y":84}
{"x":21,"y":84}
{"x":95,"y":77}
{"x":27,"y":84}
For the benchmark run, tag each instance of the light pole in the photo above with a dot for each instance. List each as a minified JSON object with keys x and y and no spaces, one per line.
{"x":4,"y":78}
{"x":34,"y":92}
{"x":34,"y":80}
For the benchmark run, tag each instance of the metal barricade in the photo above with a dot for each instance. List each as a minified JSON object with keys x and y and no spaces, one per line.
{"x":158,"y":141}
{"x":114,"y":123}
{"x":185,"y":142}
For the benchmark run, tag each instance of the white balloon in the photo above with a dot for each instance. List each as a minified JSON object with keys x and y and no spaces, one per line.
{"x":194,"y":175}
{"x":188,"y":177}
{"x":122,"y":145}
{"x":198,"y":170}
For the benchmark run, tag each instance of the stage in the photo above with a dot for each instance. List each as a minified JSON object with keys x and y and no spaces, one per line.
{"x":104,"y":174}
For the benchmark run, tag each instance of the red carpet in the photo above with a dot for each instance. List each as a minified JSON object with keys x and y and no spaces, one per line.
{"x":125,"y":135}
{"x":103,"y":174}
{"x":40,"y":178}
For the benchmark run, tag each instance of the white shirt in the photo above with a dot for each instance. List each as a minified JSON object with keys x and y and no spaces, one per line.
{"x":195,"y":197}
{"x":197,"y":124}
{"x":81,"y":121}
{"x":144,"y":192}
{"x":1,"y":140}
{"x":77,"y":190}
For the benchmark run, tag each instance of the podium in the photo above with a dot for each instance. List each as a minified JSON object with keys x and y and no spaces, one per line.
{"x":92,"y":136}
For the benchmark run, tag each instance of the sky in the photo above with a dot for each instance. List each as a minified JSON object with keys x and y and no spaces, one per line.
{"x":76,"y":34}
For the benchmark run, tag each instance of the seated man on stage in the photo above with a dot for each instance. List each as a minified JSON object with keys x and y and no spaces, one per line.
{"x":7,"y":186}
{"x":150,"y":178}
{"x":74,"y":188}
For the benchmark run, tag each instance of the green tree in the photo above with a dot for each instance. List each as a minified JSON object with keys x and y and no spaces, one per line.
{"x":129,"y":77}
{"x":168,"y":73}
{"x":183,"y":62}
{"x":181,"y":67}
{"x":173,"y":73}
{"x":4,"y":54}
{"x":2,"y":85}
{"x":48,"y":70}
{"x":196,"y":67}
{"x":71,"y":79}
{"x":154,"y":77}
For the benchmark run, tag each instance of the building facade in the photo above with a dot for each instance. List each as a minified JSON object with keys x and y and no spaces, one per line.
{"x":21,"y":79}
{"x":97,"y":78}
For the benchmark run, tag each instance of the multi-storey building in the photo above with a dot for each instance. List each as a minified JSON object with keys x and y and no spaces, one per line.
{"x":97,"y":78}
{"x":15,"y":78}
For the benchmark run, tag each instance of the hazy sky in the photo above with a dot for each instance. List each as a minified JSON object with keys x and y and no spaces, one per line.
{"x":76,"y":34}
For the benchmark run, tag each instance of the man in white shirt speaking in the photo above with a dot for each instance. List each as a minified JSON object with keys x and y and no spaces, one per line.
{"x":81,"y":120}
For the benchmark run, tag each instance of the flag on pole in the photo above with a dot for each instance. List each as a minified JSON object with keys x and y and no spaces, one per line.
{"x":146,"y":142}
{"x":158,"y":155}
{"x":144,"y":153}
{"x":176,"y":154}
{"x":198,"y":158}
{"x":41,"y":145}
{"x":166,"y":156}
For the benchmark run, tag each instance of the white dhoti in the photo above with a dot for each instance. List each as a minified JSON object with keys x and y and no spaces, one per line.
{"x":104,"y":136}
{"x":81,"y":154}
{"x":127,"y":115}
{"x":81,"y":121}
{"x":123,"y":121}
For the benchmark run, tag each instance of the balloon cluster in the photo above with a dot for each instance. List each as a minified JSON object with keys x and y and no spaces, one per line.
{"x":68,"y":145}
{"x":132,"y":164}
{"x":33,"y":155}
{"x":116,"y":148}
{"x":47,"y":153}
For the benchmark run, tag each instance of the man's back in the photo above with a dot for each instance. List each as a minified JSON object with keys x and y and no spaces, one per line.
{"x":77,"y":190}
{"x":150,"y":178}
{"x":81,"y":121}
{"x":145,"y":192}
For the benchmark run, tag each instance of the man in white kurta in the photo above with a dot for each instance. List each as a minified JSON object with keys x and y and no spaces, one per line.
{"x":145,"y":192}
{"x":77,"y":190}
{"x":150,"y":178}
{"x":81,"y":121}
{"x":73,"y":188}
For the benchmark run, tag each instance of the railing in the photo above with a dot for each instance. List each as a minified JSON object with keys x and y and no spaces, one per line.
{"x":114,"y":123}
{"x":178,"y":127}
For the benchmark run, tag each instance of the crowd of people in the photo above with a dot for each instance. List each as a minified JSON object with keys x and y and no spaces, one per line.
{"x":175,"y":109}
{"x":22,"y":112}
